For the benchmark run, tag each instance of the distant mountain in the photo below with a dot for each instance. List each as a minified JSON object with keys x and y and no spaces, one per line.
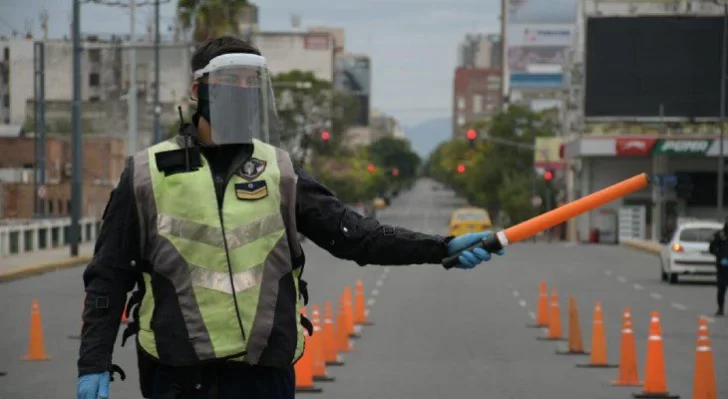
{"x":427,"y":135}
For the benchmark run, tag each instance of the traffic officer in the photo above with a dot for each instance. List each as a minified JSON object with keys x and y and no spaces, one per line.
{"x":205,"y":225}
{"x":719,"y":248}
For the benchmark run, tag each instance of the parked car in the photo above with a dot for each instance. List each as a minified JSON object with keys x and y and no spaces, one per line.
{"x":686,"y":251}
{"x":469,"y":220}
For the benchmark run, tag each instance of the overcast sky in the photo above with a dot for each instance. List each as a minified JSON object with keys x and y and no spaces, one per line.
{"x":412,"y":43}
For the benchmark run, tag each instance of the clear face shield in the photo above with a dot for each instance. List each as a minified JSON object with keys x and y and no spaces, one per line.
{"x":235,"y":96}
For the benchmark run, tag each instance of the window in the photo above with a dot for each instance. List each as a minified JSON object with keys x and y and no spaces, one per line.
{"x":697,"y":235}
{"x":94,"y":99}
{"x":461,"y":102}
{"x":461,"y":120}
{"x":94,"y":55}
{"x":94,"y":79}
{"x":477,"y":103}
{"x":6,"y":54}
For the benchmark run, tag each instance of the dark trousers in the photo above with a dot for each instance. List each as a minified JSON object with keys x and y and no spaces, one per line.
{"x":722,"y":285}
{"x":224,"y":382}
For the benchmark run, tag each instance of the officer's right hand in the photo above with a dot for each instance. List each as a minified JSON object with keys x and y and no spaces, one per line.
{"x":93,"y":386}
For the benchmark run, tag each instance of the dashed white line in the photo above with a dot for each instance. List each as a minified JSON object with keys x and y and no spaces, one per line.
{"x":371,"y":301}
{"x":709,"y":319}
{"x":386,"y":269}
{"x":375,"y":292}
{"x":655,"y":295}
{"x":380,"y":283}
{"x":515,"y":293}
{"x":622,"y":279}
{"x":532,"y":315}
{"x":638,"y":287}
{"x":678,"y":306}
{"x":608,"y":272}
{"x":522,"y":303}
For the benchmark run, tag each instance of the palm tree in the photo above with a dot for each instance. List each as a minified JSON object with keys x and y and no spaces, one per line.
{"x":210,"y":18}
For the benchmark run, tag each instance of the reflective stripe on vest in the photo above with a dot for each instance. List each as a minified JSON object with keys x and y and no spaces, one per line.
{"x":188,"y":244}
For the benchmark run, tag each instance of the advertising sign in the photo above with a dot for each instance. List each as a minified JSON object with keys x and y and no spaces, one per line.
{"x":627,"y":147}
{"x":542,"y":11}
{"x":683,"y":147}
{"x":353,"y":75}
{"x":523,"y":58}
{"x":540,"y":35}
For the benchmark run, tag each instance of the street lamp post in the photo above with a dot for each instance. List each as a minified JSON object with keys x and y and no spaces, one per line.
{"x":721,"y":156}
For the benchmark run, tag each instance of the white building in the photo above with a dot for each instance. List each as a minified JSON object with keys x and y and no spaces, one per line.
{"x":615,"y":129}
{"x":480,"y":51}
{"x":305,"y":51}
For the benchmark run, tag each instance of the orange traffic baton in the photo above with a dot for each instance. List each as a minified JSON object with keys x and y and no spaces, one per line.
{"x":304,"y":366}
{"x":598,"y":357}
{"x":576,"y":345}
{"x":628,"y":374}
{"x":535,"y":225}
{"x":655,"y":383}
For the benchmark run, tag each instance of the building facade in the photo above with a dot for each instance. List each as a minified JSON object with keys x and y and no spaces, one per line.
{"x":480,"y":51}
{"x":476,"y":97}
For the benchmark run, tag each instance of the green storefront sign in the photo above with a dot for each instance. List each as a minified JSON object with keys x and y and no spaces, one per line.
{"x":682,"y":147}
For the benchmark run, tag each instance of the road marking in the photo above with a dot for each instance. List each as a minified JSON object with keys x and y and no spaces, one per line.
{"x":375,"y":292}
{"x":522,"y":303}
{"x":655,"y":295}
{"x":608,"y":272}
{"x":638,"y":287}
{"x":386,"y":269}
{"x":515,"y":293}
{"x":371,"y":301}
{"x":622,"y":279}
{"x":380,"y":283}
{"x":545,"y":330}
{"x":708,"y":318}
{"x":570,"y":245}
{"x":532,"y":315}
{"x":678,"y":306}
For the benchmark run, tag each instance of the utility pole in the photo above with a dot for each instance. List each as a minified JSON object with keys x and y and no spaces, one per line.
{"x":76,"y":193}
{"x":721,"y":156}
{"x":132,"y":92}
{"x":40,"y":131}
{"x":157,"y":105}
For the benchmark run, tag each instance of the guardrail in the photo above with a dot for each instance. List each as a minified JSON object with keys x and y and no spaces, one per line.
{"x":38,"y":235}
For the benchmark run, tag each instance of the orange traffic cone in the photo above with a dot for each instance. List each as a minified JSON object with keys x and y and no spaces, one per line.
{"x":542,"y":315}
{"x":554,"y":333}
{"x":330,"y":340}
{"x":576,"y":345}
{"x":598,"y":357}
{"x":349,"y":312}
{"x":628,"y":373}
{"x":655,"y":383}
{"x":304,"y":366}
{"x":704,"y":377}
{"x":36,"y":347}
{"x":342,"y":333}
{"x":317,"y":348}
{"x":360,"y":314}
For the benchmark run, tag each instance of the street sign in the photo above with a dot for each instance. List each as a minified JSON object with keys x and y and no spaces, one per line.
{"x":683,"y":147}
{"x":42,"y":192}
{"x":536,"y":201}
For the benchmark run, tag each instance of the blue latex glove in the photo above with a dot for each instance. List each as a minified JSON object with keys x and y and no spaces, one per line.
{"x":470,"y":259}
{"x":724,"y":262}
{"x":93,"y":386}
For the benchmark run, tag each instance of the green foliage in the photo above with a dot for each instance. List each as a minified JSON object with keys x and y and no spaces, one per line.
{"x":210,"y":18}
{"x":496,"y":175}
{"x":60,"y":125}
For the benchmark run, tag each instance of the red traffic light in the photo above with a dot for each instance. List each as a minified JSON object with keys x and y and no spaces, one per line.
{"x":395,"y":172}
{"x":370,"y":168}
{"x":472,"y":134}
{"x":325,"y":136}
{"x":549,"y":175}
{"x":461,"y":168}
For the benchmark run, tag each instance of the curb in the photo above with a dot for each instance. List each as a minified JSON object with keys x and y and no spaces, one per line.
{"x":642,"y":246}
{"x":27,"y":271}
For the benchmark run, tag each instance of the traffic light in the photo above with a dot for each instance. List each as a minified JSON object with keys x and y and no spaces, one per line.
{"x":472,"y":135}
{"x":325,"y":136}
{"x":370,"y":168}
{"x":548,"y":175}
{"x":395,"y":172}
{"x":461,"y":168}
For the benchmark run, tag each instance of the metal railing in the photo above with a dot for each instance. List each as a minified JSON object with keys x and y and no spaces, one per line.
{"x":37,"y":235}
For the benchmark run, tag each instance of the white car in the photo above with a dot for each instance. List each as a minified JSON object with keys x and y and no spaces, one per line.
{"x":686,"y":253}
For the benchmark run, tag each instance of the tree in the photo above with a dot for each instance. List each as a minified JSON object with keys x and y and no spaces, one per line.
{"x":210,"y":18}
{"x":392,"y":153}
{"x":307,"y":107}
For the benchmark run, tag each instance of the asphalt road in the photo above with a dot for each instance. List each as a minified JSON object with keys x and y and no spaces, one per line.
{"x":437,"y":333}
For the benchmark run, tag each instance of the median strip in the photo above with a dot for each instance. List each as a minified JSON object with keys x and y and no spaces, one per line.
{"x":27,"y":271}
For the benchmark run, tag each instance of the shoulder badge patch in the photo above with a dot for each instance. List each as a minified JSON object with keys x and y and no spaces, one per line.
{"x":251,"y":191}
{"x":252,"y":169}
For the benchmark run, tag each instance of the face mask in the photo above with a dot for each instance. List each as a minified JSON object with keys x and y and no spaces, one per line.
{"x":232,"y":111}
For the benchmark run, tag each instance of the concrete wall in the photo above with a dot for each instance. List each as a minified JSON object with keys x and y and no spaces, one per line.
{"x":287,"y":51}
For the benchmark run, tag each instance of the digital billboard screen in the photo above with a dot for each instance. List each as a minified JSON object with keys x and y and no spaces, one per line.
{"x":353,"y":75}
{"x":636,"y":66}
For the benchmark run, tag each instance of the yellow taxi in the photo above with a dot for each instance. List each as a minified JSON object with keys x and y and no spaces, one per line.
{"x":469,"y":220}
{"x":379,"y":203}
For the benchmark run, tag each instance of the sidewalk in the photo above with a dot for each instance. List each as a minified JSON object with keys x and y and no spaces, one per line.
{"x":19,"y":266}
{"x":653,"y":247}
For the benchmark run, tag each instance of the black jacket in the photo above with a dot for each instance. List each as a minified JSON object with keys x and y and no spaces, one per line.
{"x":719,"y":247}
{"x":320,"y":217}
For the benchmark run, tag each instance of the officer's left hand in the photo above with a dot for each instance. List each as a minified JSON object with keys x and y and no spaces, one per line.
{"x":470,"y":259}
